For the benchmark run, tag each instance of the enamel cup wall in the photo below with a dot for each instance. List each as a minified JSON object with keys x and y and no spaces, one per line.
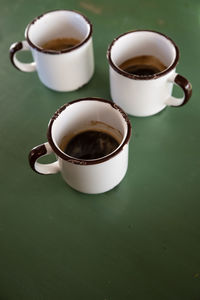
{"x":145,"y":95}
{"x":94,"y":175}
{"x":64,"y":70}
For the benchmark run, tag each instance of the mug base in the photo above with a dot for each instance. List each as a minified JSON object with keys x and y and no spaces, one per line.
{"x":68,"y":89}
{"x":97,"y":190}
{"x":147,"y":114}
{"x":93,"y":192}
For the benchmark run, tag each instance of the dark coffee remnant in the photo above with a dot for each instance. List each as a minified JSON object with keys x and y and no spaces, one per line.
{"x":60,"y":44}
{"x":91,"y":144}
{"x":144,"y":65}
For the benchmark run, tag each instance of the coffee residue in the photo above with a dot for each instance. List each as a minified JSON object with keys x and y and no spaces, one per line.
{"x":90,"y":144}
{"x":144,"y":65}
{"x":60,"y":44}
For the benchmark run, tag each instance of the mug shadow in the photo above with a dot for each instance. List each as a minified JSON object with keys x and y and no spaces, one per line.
{"x":98,"y":86}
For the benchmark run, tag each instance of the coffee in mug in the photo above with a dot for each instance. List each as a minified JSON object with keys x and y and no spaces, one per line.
{"x":143,"y":65}
{"x":142,"y":69}
{"x":61,"y":45}
{"x":90,"y":138}
{"x":89,"y":144}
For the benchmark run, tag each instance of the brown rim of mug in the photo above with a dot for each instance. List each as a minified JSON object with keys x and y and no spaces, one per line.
{"x":74,"y":160}
{"x":139,"y":77}
{"x":60,"y":51}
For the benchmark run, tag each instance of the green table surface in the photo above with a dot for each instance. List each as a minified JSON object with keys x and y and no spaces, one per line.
{"x":140,"y":240}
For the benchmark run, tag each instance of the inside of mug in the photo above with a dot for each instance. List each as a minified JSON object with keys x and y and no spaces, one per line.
{"x":144,"y":43}
{"x":89,"y":115}
{"x":58,"y":24}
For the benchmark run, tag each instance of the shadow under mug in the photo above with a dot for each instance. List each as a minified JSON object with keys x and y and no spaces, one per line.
{"x":145,"y":95}
{"x":91,"y":176}
{"x":60,"y":70}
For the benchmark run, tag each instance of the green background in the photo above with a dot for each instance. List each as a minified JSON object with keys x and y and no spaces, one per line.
{"x":140,"y":240}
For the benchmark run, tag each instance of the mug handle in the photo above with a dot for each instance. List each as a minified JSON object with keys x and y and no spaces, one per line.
{"x":185,"y":85}
{"x":37,"y":152}
{"x":21,"y":46}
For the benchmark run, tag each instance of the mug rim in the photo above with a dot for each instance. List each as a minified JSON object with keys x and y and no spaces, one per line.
{"x":138,"y":77}
{"x":78,"y":161}
{"x":58,"y":51}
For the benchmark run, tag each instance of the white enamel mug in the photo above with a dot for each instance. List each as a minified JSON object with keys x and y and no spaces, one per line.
{"x":64,"y":70}
{"x":145,"y":95}
{"x":91,"y":176}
